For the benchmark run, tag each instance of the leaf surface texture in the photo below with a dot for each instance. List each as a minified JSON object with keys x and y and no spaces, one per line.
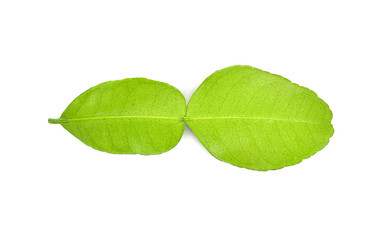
{"x":253,"y":119}
{"x":134,"y":115}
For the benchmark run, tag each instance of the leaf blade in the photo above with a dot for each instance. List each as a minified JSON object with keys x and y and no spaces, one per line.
{"x":129,"y":116}
{"x":250,"y":118}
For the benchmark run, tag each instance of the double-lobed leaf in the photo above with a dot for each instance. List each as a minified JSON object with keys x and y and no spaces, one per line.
{"x":242,"y":115}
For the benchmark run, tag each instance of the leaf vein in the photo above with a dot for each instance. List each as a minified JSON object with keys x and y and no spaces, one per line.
{"x":253,"y":118}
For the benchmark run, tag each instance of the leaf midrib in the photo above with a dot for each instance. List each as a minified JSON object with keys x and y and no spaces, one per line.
{"x":253,"y":118}
{"x":68,"y":120}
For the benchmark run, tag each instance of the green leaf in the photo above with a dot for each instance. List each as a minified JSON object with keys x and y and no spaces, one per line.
{"x":253,"y":119}
{"x":134,"y":115}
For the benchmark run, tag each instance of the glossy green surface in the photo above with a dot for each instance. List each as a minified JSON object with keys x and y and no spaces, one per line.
{"x":253,"y":119}
{"x":242,"y":115}
{"x":134,"y":115}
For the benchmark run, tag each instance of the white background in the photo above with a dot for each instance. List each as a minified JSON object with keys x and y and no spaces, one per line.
{"x":52,"y":186}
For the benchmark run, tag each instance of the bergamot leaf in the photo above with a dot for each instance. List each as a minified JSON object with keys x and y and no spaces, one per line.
{"x":253,"y":119}
{"x":134,"y":115}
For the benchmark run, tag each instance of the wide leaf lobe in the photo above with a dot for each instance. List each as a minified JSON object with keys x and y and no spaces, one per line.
{"x":257,"y":120}
{"x":134,"y":115}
